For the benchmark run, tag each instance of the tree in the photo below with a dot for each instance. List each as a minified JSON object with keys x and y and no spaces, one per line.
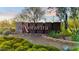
{"x":62,"y":13}
{"x":32,"y":14}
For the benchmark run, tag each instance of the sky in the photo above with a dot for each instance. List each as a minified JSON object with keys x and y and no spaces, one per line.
{"x":9,"y":12}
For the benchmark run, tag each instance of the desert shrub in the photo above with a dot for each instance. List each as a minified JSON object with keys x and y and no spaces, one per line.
{"x":53,"y":34}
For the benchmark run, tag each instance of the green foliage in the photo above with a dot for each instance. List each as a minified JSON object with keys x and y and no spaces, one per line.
{"x":73,"y":24}
{"x":12,"y":30}
{"x":18,"y":44}
{"x":50,"y":48}
{"x":37,"y":46}
{"x":66,"y":32}
{"x":1,"y":40}
{"x":6,"y":45}
{"x":18,"y":40}
{"x":75,"y":37}
{"x":8,"y":38}
{"x":22,"y":48}
{"x":42,"y":49}
{"x":76,"y":49}
{"x":2,"y":30}
{"x":27,"y":44}
{"x":6,"y":32}
{"x":5,"y":48}
{"x":53,"y":34}
{"x":32,"y":49}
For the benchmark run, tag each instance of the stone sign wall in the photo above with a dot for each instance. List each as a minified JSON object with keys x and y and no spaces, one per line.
{"x":25,"y":27}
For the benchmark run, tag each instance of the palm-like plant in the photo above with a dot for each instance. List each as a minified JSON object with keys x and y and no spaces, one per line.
{"x":74,"y":14}
{"x":62,"y":14}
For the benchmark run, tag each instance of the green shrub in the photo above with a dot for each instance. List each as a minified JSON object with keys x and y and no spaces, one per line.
{"x":53,"y":34}
{"x":42,"y":49}
{"x":49,"y":48}
{"x":8,"y":43}
{"x":38,"y":46}
{"x":27,"y":43}
{"x":1,"y":40}
{"x":66,"y":33}
{"x":15,"y":45}
{"x":8,"y":38}
{"x":19,"y":44}
{"x":75,"y":37}
{"x":22,"y":48}
{"x":12,"y":30}
{"x":32,"y":49}
{"x":19,"y":40}
{"x":6,"y":32}
{"x":2,"y":30}
{"x":76,"y":49}
{"x":4,"y":47}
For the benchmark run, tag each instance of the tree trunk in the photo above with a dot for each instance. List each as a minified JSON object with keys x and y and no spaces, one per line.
{"x":75,"y":25}
{"x":66,"y":23}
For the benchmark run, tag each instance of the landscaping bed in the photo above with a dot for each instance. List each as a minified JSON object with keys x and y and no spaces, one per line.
{"x":68,"y":37}
{"x":9,"y":43}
